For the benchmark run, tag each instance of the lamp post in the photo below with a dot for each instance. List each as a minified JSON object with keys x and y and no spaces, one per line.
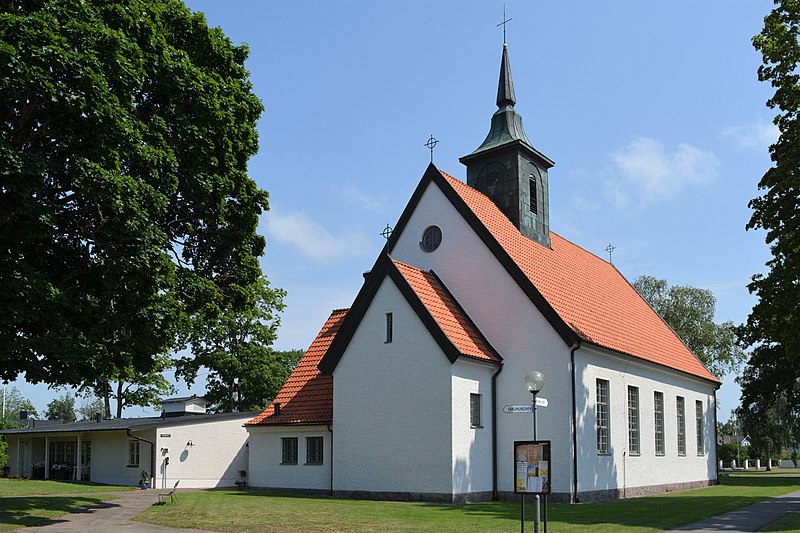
{"x":534,"y":381}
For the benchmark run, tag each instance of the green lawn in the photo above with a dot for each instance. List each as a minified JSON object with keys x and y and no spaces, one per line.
{"x":36,"y":504}
{"x":37,"y":487}
{"x":245,"y":511}
{"x":790,"y":524}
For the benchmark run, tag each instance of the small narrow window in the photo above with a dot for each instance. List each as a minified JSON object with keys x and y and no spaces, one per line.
{"x":314,"y":450}
{"x":532,"y":186}
{"x":133,"y":453}
{"x":602,"y":416}
{"x":698,"y":416}
{"x":475,"y":410}
{"x":289,"y":450}
{"x":388,"y":327}
{"x":658,"y":419}
{"x":633,"y":420}
{"x":681,"y":413}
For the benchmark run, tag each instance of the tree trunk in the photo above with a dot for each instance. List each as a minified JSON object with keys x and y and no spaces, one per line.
{"x":106,"y":399}
{"x":120,"y":399}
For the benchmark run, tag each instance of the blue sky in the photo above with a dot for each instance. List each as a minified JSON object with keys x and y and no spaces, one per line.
{"x":651,"y":110}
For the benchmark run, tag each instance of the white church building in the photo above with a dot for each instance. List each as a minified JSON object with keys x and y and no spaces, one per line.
{"x":402,"y":395}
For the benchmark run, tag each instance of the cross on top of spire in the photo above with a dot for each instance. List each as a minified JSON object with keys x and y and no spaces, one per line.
{"x":505,"y":21}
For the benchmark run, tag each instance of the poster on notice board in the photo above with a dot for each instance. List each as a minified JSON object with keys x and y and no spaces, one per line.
{"x":532,"y":467}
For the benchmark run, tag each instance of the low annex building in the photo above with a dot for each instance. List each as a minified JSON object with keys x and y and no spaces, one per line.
{"x":401,"y":396}
{"x":201,"y":450}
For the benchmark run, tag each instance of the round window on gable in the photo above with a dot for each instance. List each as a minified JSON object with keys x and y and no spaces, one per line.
{"x":431,"y":239}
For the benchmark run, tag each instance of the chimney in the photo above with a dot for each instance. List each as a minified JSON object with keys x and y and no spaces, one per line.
{"x":98,"y":417}
{"x":277,"y":409}
{"x":23,"y":415}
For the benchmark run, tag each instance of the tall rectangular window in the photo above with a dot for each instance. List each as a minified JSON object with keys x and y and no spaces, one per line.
{"x":532,"y":186}
{"x":681,"y":413}
{"x":314,"y":450}
{"x":633,"y":420}
{"x":698,"y":422}
{"x":475,"y":410}
{"x":658,"y":419}
{"x":389,"y":327}
{"x":133,"y":452}
{"x":289,"y":450}
{"x":602,"y":416}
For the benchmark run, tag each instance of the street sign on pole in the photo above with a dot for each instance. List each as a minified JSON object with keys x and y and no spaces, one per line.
{"x":510,"y":409}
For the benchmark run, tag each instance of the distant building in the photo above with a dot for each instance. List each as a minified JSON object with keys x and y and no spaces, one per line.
{"x":201,"y":450}
{"x":402,"y":396}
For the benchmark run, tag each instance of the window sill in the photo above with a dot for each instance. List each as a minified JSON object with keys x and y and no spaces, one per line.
{"x":604,"y":454}
{"x":313,"y":464}
{"x":660,"y":454}
{"x":632,"y":454}
{"x":131,"y":466}
{"x":476,"y":427}
{"x":681,"y":455}
{"x":295,"y":463}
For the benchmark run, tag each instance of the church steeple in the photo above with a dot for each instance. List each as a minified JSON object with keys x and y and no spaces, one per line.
{"x":508,"y":169}
{"x":505,"y":87}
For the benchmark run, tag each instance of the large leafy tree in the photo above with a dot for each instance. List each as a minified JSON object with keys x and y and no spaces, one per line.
{"x":16,"y":402}
{"x":126,"y":387}
{"x":770,"y":403}
{"x":775,"y":319}
{"x":90,"y":407}
{"x":771,"y":380}
{"x":235,"y":347}
{"x":62,"y":408}
{"x":125,"y":206}
{"x":689,"y":311}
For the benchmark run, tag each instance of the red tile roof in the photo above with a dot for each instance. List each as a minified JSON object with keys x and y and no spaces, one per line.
{"x":588,"y":293}
{"x":450,"y":317}
{"x":307,"y":396}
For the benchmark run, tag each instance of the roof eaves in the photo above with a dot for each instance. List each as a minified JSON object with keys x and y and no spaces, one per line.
{"x":716,"y":382}
{"x":424,"y":315}
{"x":353,"y":318}
{"x":472,"y":325}
{"x":565,"y":331}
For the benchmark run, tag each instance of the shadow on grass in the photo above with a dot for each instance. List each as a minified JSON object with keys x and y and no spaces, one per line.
{"x":658,"y":512}
{"x":41,"y":510}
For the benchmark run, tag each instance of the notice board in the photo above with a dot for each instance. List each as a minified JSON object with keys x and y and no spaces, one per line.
{"x":532,"y":467}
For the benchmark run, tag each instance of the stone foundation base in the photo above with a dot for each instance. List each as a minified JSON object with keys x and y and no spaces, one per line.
{"x":486,"y":496}
{"x":440,"y":497}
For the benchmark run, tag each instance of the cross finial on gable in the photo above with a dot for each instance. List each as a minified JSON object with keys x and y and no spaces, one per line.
{"x":431,"y":144}
{"x":610,"y":248}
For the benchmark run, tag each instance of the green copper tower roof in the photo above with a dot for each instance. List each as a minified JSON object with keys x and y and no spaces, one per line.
{"x":506,"y":122}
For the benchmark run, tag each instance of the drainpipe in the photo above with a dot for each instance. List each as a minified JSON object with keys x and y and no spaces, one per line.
{"x":494,"y":430}
{"x":714,"y":445}
{"x":575,"y":347}
{"x":330,"y":428}
{"x":152,"y":455}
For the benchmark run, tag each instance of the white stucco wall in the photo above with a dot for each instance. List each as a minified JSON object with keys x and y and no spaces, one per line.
{"x":619,"y":469}
{"x":391,"y":405}
{"x":217,"y":453}
{"x":266,"y":455}
{"x":510,"y":322}
{"x":110,"y":457}
{"x":472,"y":446}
